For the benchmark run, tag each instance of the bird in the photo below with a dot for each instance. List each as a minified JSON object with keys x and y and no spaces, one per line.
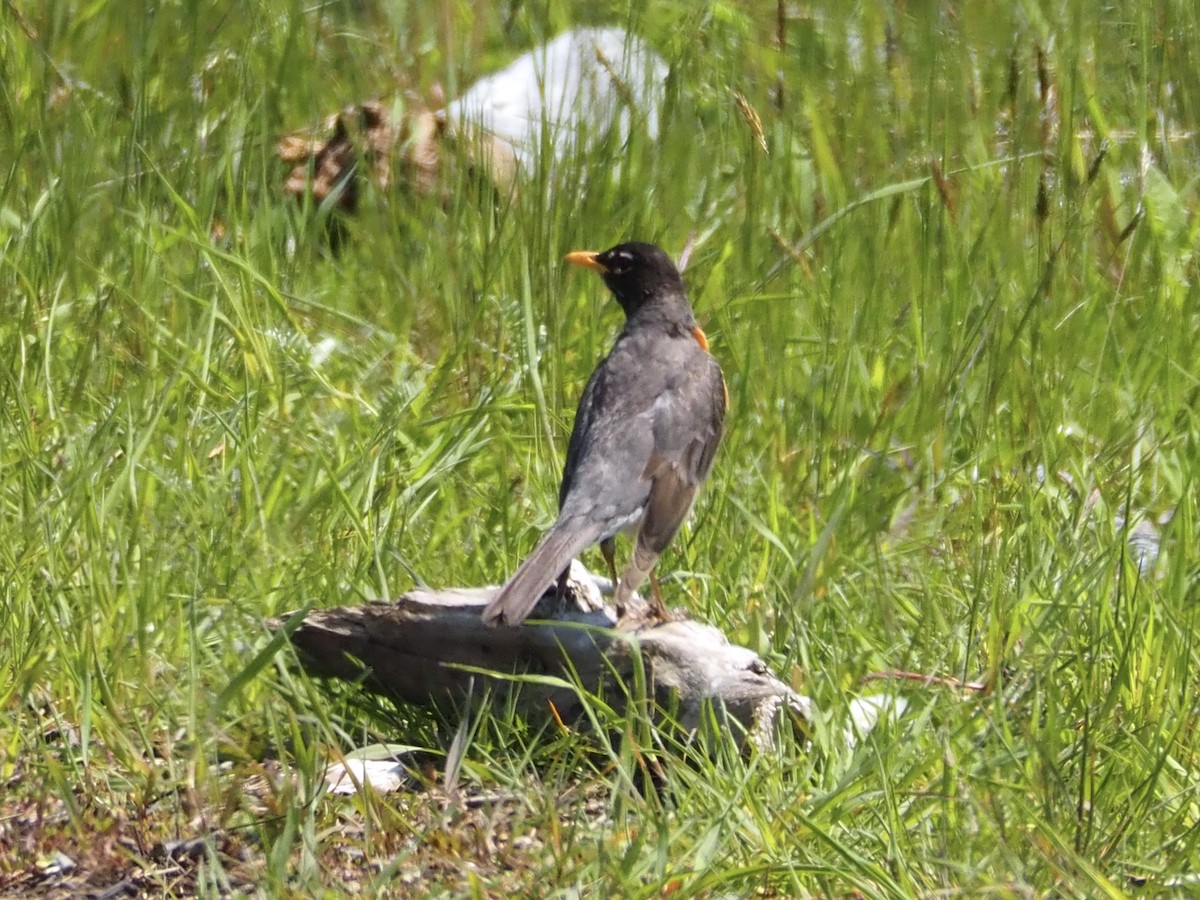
{"x":644,"y":439}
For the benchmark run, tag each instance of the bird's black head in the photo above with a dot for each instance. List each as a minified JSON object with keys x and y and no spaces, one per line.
{"x":637,"y":274}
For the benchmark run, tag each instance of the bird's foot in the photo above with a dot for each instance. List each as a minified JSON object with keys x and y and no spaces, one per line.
{"x":657,"y":607}
{"x":659,"y":611}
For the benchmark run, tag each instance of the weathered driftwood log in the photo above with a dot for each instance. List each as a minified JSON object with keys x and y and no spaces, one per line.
{"x":429,"y":648}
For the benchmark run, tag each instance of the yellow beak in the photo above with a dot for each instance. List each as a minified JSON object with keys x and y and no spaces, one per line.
{"x":587,"y":259}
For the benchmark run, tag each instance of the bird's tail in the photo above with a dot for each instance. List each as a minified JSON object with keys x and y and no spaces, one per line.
{"x":541,"y":568}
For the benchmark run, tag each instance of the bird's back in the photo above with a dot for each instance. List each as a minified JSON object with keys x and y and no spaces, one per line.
{"x":653,"y":382}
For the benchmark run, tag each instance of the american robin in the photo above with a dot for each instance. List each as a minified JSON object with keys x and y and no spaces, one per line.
{"x":645,"y":434}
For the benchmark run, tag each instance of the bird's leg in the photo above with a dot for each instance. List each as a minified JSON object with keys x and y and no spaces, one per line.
{"x":660,"y":608}
{"x":608,"y":547}
{"x":560,"y":588}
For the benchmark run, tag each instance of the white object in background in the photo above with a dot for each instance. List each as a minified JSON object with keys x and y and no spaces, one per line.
{"x":867,"y":712}
{"x":385,"y":776}
{"x":578,"y":86}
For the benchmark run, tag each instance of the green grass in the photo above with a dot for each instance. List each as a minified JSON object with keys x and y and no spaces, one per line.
{"x":940,"y":403}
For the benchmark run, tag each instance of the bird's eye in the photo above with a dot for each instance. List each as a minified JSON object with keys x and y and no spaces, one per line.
{"x":620,"y":262}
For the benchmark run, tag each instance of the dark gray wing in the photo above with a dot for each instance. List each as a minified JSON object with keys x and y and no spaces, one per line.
{"x":689,"y":419}
{"x":594,"y":394}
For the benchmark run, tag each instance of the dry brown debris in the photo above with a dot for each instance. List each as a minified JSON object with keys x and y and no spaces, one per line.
{"x":394,"y":144}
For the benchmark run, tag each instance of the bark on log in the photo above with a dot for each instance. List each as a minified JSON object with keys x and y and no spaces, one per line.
{"x":427,"y":649}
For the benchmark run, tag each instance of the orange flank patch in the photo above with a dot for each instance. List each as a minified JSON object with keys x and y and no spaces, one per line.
{"x":702,"y":340}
